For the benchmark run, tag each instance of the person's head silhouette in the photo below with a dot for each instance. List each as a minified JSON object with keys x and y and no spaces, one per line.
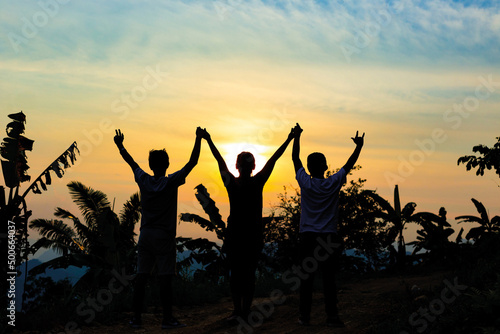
{"x":158,"y":162}
{"x":316,"y":163}
{"x":245,"y":163}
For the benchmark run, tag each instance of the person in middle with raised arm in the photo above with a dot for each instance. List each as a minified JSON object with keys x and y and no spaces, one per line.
{"x":243,"y":241}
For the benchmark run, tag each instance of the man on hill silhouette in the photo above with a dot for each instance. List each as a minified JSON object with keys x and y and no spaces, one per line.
{"x":243,"y":241}
{"x":158,"y":225}
{"x":318,"y":225}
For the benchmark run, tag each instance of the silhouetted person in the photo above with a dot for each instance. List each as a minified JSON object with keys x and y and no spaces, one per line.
{"x":319,"y":243}
{"x":158,"y":225}
{"x":243,"y":240}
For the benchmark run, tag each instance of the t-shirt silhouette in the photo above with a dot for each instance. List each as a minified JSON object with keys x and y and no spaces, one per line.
{"x":319,"y":201}
{"x":244,"y":224}
{"x":159,"y":199}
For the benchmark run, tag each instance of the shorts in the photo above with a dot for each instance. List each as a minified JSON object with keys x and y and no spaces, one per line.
{"x":156,"y":246}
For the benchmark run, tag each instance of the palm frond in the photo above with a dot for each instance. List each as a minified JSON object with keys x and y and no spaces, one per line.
{"x":382,"y":202}
{"x":81,"y":229}
{"x":131,"y":212}
{"x":205,"y":223}
{"x":495,"y":221}
{"x":53,"y":229}
{"x":397,"y":202}
{"x":58,"y":235}
{"x":481,"y":210}
{"x":208,"y":205}
{"x":57,"y":166}
{"x":469,"y":219}
{"x":90,"y":202}
{"x":426,"y":217}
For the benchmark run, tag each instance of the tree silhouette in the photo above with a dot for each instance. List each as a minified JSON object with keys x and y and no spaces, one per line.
{"x":434,"y":235}
{"x":281,"y":231}
{"x":398,"y":218}
{"x":13,"y":208}
{"x":205,"y":252}
{"x":487,"y":226}
{"x":488,"y":158}
{"x":361,"y":232}
{"x":102,"y":241}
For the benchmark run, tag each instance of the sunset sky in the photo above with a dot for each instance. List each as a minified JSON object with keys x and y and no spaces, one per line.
{"x":420,"y":78}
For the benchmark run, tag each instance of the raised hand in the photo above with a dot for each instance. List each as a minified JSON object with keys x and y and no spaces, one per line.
{"x":119,"y":137}
{"x":297,"y":130}
{"x":359,"y":141}
{"x":200,"y":132}
{"x":291,"y":135}
{"x":204,"y":134}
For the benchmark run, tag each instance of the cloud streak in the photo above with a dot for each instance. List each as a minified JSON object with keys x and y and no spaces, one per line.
{"x":128,"y":32}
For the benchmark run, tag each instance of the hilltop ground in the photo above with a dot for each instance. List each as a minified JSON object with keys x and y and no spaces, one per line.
{"x":363,"y":305}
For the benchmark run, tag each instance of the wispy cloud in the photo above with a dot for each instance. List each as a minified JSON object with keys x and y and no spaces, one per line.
{"x":136,"y":32}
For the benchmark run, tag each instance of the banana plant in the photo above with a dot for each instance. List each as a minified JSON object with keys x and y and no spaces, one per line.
{"x":486,"y":227}
{"x":13,"y":206}
{"x":398,"y":218}
{"x":434,"y":234}
{"x":203,"y":251}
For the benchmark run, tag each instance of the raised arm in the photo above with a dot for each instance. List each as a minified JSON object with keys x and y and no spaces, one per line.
{"x":119,"y":137}
{"x":359,"y":141}
{"x":269,"y":166}
{"x":224,"y":171}
{"x":297,"y":164}
{"x":195,"y":154}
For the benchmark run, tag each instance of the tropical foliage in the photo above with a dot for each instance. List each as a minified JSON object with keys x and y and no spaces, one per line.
{"x":13,"y":207}
{"x":361,"y":232}
{"x":433,"y":237}
{"x":487,"y":226}
{"x":207,"y":254}
{"x":489,"y":157}
{"x":101,"y":241}
{"x":397,"y":218}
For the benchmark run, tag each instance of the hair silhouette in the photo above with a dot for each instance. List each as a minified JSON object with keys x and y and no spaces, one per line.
{"x":316,"y":163}
{"x":158,"y":160}
{"x":245,"y":163}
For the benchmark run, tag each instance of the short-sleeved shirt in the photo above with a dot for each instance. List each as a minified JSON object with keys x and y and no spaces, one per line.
{"x":319,"y":201}
{"x":244,"y":224}
{"x":159,"y":199}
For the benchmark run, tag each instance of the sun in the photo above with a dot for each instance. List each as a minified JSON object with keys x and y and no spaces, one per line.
{"x":230,"y":153}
